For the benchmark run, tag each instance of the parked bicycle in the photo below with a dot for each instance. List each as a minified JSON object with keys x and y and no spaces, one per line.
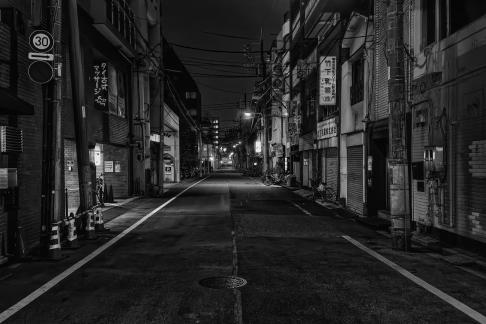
{"x":273,"y":178}
{"x":321,"y":191}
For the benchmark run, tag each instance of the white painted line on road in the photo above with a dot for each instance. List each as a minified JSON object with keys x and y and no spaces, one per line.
{"x":439,"y":293}
{"x":53,"y":282}
{"x":302,"y":209}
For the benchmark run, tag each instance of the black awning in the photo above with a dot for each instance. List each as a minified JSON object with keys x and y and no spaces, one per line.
{"x":11,"y":105}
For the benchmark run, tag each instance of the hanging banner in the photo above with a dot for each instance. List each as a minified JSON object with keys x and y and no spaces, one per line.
{"x":327,"y":88}
{"x":100,"y":88}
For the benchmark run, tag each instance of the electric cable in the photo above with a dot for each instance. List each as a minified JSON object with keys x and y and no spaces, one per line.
{"x":212,"y":50}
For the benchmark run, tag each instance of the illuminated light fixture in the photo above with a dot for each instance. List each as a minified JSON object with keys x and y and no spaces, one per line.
{"x":258,"y":147}
{"x":248,"y":114}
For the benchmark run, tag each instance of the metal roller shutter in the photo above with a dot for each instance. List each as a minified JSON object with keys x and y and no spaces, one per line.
{"x":332,"y":167}
{"x":355,"y":179}
{"x":419,"y":198}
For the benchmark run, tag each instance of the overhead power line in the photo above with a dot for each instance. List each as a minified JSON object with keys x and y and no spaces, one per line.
{"x":212,"y":50}
{"x":222,"y":75}
{"x":211,"y":60}
{"x":229,"y":36}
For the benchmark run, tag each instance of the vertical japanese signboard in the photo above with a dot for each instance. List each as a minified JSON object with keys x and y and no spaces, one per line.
{"x":327,"y":87}
{"x":100,"y":88}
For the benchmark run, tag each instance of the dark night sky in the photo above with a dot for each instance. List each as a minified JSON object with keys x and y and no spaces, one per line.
{"x":195,"y":22}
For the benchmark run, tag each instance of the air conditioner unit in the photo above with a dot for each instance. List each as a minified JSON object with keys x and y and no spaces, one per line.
{"x":11,"y":140}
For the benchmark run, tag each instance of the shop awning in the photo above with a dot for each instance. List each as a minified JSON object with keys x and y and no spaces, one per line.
{"x":11,"y":105}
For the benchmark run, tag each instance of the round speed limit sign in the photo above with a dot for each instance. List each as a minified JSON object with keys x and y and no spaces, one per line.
{"x":41,"y":41}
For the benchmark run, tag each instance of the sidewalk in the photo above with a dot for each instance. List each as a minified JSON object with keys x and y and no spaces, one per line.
{"x":465,"y":260}
{"x":19,"y":278}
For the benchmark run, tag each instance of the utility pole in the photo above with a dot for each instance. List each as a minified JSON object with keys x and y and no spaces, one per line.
{"x":56,"y":106}
{"x":264,"y":108}
{"x":398,"y":164}
{"x":77,"y":82}
{"x":162,"y":107}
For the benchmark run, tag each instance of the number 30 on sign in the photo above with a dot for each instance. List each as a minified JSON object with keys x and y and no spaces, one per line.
{"x":41,"y":41}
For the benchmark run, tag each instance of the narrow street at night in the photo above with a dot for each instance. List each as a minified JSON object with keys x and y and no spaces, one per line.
{"x":242,"y":161}
{"x":291,"y":252}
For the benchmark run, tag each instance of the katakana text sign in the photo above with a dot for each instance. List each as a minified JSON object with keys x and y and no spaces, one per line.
{"x":100,"y":88}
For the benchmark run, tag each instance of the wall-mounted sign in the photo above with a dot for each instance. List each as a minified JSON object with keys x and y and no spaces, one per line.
{"x":168,"y":170}
{"x":326,"y":129}
{"x":258,"y":147}
{"x":41,"y":41}
{"x":108,"y":166}
{"x":100,"y":88}
{"x":117,"y":166}
{"x":477,"y":159}
{"x":8,"y":178}
{"x":327,"y":88}
{"x":97,"y":157}
{"x":70,"y":165}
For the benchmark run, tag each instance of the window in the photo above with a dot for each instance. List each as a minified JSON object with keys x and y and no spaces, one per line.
{"x":357,"y":76}
{"x":452,"y":15}
{"x":191,"y":95}
{"x":116,"y":92}
{"x":443,"y":20}
{"x":428,"y":21}
{"x":464,"y":12}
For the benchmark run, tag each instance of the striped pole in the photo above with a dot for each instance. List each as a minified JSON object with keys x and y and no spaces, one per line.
{"x":55,"y":242}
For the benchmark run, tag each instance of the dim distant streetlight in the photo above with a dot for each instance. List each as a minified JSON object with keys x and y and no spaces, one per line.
{"x":248,"y":114}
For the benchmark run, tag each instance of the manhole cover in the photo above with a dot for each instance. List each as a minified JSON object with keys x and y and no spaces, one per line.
{"x":224,"y":282}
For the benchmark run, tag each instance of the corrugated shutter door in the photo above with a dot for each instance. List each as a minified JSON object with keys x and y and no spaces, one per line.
{"x":419,"y":201}
{"x":118,"y":130}
{"x":355,"y":179}
{"x":332,"y":167}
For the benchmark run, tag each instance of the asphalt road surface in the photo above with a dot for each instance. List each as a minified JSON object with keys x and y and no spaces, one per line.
{"x":291,"y":252}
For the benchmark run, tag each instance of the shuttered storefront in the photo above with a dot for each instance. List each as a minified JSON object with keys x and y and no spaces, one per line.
{"x":296,"y":168}
{"x":469,"y":166}
{"x":355,"y":179}
{"x":419,"y":197}
{"x":330,"y":167}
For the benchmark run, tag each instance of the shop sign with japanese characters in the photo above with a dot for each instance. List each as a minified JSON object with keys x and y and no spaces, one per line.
{"x":326,"y":129}
{"x":327,"y":88}
{"x":100,"y":88}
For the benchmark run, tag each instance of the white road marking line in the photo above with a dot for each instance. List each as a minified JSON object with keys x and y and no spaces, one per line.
{"x":302,"y":209}
{"x":53,"y":282}
{"x":439,"y":293}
